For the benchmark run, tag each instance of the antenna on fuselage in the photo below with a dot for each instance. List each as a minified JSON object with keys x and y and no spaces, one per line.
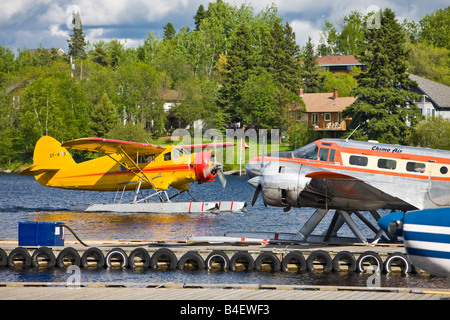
{"x":346,"y":139}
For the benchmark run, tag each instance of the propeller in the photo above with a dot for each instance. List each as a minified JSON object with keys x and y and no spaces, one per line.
{"x":257,"y":181}
{"x":216,"y":168}
{"x":219,"y":170}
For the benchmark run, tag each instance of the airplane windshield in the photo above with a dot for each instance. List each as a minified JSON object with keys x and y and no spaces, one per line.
{"x":178,"y":152}
{"x":307,"y":152}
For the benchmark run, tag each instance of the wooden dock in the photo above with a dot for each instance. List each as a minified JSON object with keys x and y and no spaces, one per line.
{"x":209,"y":292}
{"x":261,"y":255}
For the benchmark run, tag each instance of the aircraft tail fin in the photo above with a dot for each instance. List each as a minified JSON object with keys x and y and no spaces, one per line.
{"x":49,"y":156}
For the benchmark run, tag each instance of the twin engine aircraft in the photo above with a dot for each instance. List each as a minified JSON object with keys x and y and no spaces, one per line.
{"x":129,"y":165}
{"x":351,"y":176}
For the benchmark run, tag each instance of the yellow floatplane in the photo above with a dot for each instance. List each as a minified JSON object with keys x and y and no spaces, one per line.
{"x":131,"y":166}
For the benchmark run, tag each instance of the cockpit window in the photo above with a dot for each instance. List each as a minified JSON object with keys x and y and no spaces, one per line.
{"x":323,"y":154}
{"x":307,"y":152}
{"x":145,"y":158}
{"x":178,"y":152}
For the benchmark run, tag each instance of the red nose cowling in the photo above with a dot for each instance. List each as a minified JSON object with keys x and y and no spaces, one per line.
{"x":201,"y":167}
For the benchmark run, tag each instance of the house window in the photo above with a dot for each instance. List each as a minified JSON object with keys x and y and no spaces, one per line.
{"x":327,"y":117}
{"x":314,"y":118}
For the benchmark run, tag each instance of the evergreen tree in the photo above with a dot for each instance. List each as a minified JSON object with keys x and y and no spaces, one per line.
{"x":241,"y":64}
{"x":291,"y":75}
{"x":6,"y":60}
{"x":199,"y":16}
{"x":385,"y":108}
{"x":77,"y":42}
{"x":101,"y":56}
{"x":169,"y":31}
{"x":312,"y":79}
{"x":104,"y":117}
{"x":273,"y":51}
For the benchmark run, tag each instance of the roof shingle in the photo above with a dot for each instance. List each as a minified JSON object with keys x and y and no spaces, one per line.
{"x":437,"y":92}
{"x":324,"y":102}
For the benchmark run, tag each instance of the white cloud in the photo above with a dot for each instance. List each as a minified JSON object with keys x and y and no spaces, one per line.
{"x":303,"y":30}
{"x":18,"y":11}
{"x":95,"y":33}
{"x":33,"y":22}
{"x":55,"y":31}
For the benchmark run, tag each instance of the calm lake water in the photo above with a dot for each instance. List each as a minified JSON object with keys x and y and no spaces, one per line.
{"x":23,"y":199}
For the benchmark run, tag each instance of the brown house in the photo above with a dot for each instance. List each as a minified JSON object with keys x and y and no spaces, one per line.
{"x":340,"y":63}
{"x":324,"y":110}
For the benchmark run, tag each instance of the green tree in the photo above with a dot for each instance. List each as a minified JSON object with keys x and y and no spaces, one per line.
{"x":138,"y":85}
{"x":198,"y":101}
{"x":258,"y":104}
{"x":435,"y":28}
{"x":291,"y":75}
{"x":103,"y":118}
{"x":169,"y":31}
{"x":41,"y":57}
{"x":241,"y":64}
{"x":312,"y":78}
{"x":412,"y":30}
{"x":6,"y":60}
{"x":347,"y":41}
{"x":385,"y":110}
{"x":8,"y":130}
{"x":116,"y":52}
{"x":129,"y":132}
{"x":280,"y":56}
{"x":199,"y":16}
{"x":430,"y":62}
{"x":77,"y":43}
{"x":100,"y":56}
{"x":343,"y":81}
{"x":149,"y":51}
{"x":53,"y":105}
{"x":431,"y":133}
{"x":350,"y":37}
{"x":329,"y":40}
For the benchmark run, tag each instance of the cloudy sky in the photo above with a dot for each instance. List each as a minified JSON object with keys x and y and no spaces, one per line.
{"x":31,"y":23}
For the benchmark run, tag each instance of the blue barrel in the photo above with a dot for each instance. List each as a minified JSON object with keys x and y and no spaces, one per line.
{"x":34,"y":233}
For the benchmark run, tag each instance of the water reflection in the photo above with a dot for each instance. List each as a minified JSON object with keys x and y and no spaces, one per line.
{"x":92,"y":225}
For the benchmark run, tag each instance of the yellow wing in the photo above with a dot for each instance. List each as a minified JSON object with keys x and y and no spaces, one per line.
{"x":109,"y":146}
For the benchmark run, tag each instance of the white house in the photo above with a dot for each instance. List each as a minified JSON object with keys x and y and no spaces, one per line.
{"x":435,"y":100}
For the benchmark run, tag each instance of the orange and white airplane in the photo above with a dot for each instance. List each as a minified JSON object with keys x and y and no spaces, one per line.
{"x":126,"y":166}
{"x":351,"y":176}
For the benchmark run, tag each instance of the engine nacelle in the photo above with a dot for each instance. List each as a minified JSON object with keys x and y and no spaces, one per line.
{"x":280,"y":184}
